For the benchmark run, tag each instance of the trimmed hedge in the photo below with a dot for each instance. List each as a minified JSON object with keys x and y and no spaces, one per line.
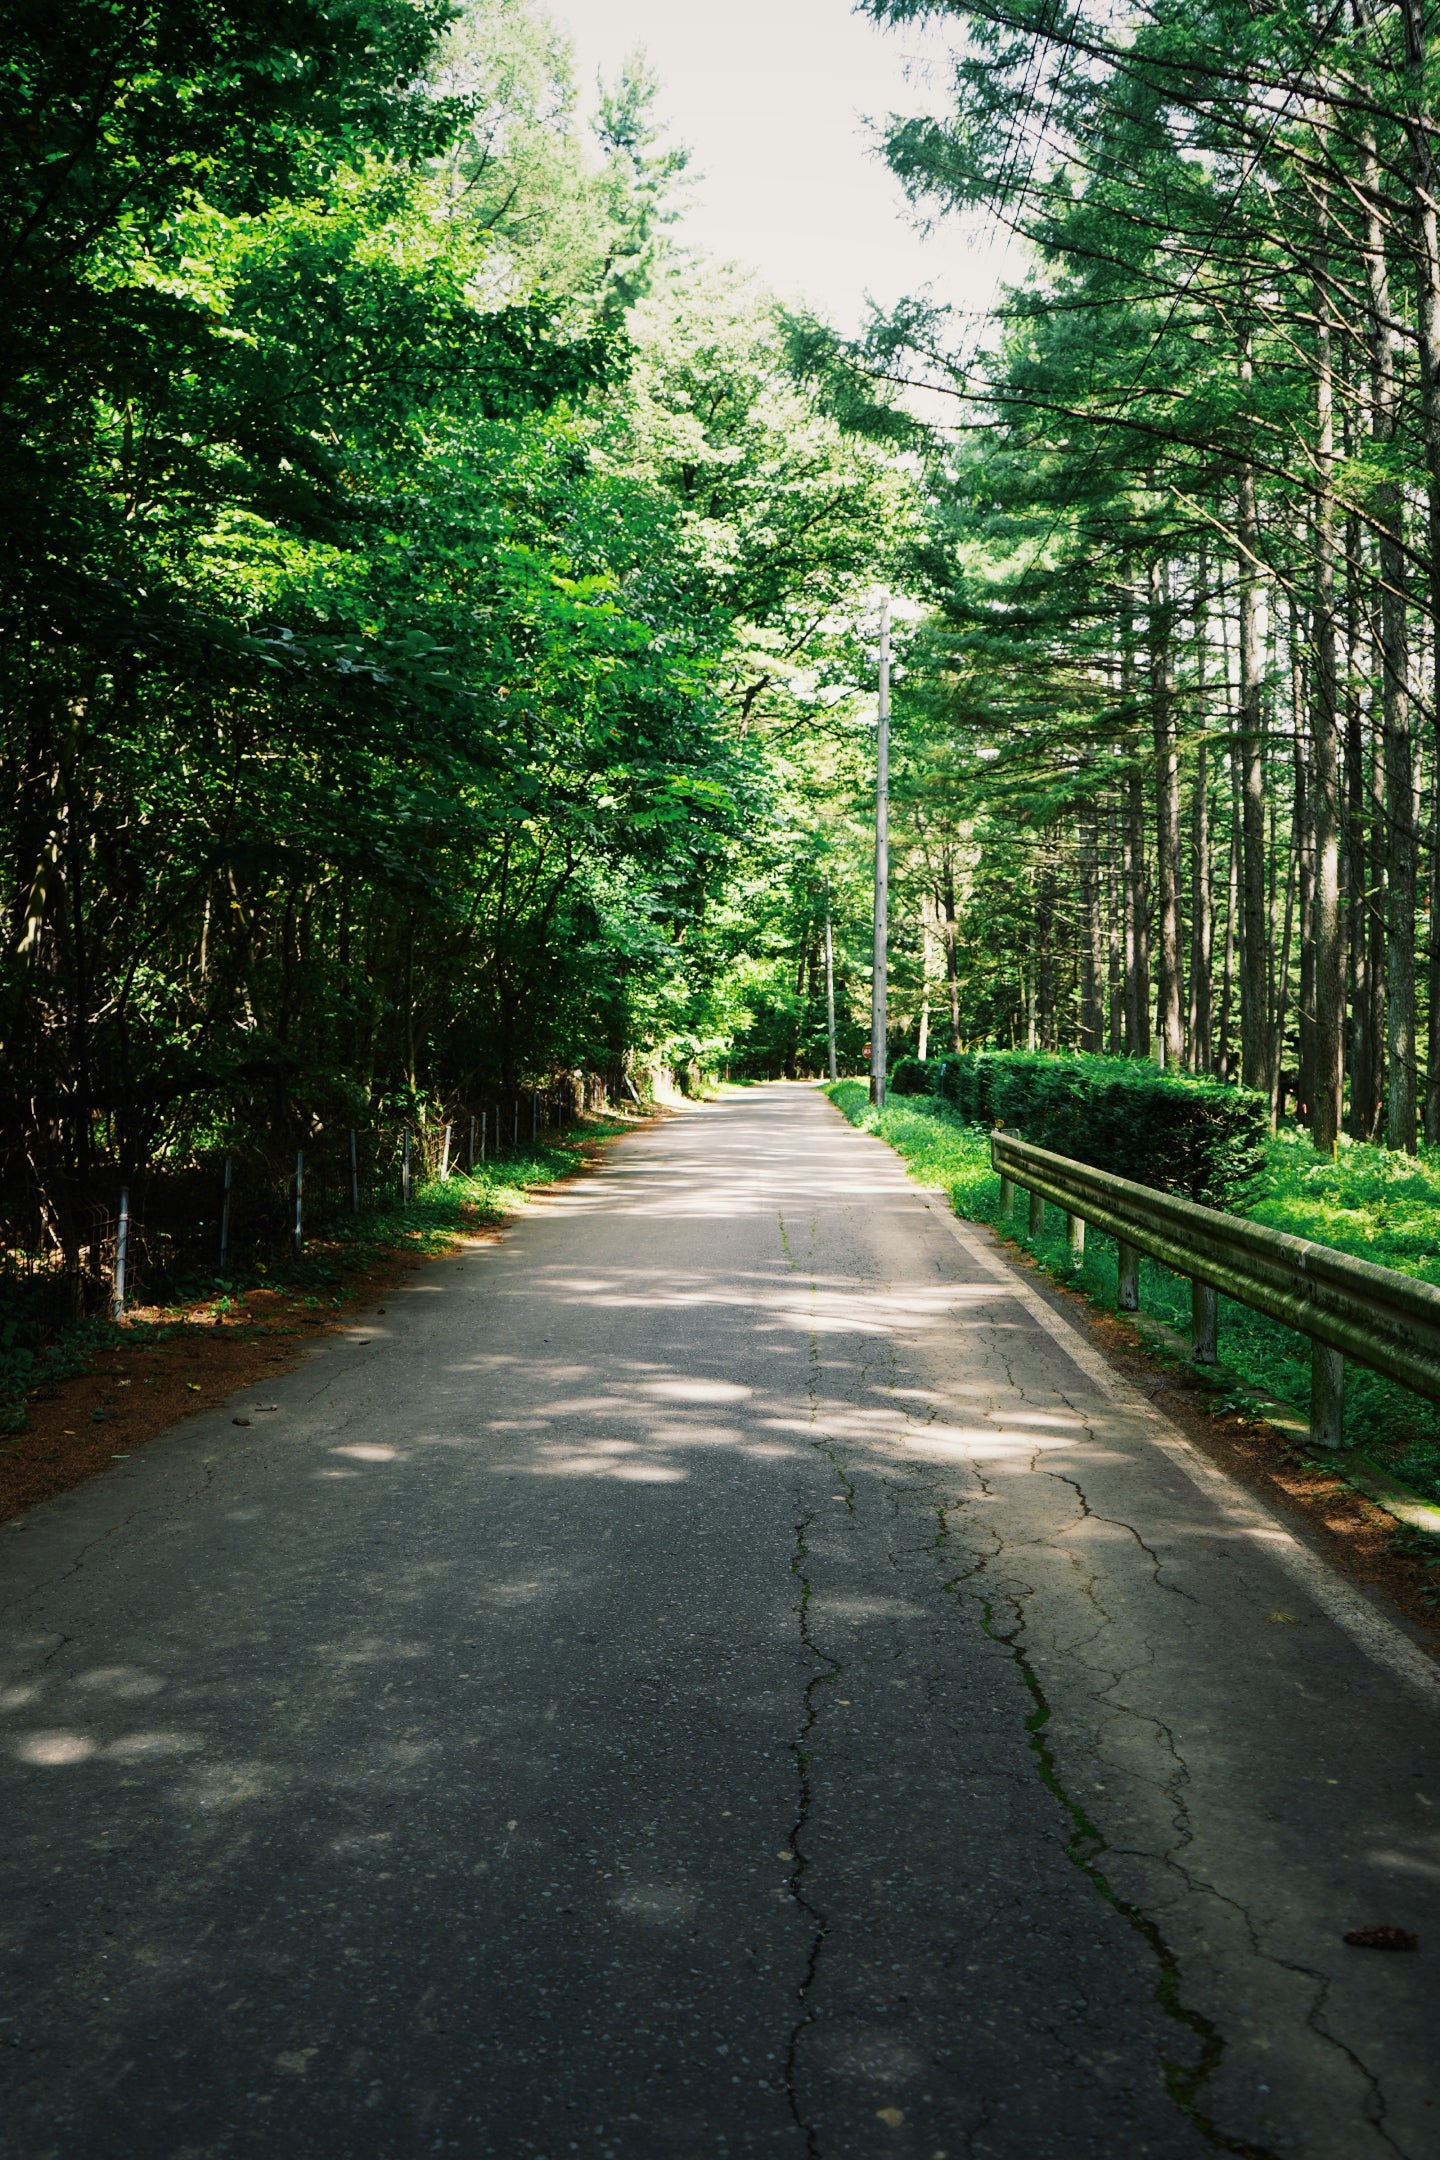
{"x":1181,"y":1135}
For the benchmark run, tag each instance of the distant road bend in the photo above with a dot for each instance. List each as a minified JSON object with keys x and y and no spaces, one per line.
{"x":725,"y":1671}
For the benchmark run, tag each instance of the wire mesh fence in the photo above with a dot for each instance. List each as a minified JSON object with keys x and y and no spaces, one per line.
{"x":85,"y":1245}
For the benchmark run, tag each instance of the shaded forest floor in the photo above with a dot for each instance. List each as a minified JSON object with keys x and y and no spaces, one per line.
{"x":1393,"y":1426}
{"x":103,"y":1390}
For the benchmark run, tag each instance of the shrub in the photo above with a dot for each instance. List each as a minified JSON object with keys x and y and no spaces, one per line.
{"x":914,"y":1076}
{"x":1181,"y":1135}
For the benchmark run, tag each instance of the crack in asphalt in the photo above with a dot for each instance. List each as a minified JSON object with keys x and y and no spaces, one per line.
{"x":818,"y":1919}
{"x":1376,"y":2107}
{"x":1089,"y":1514}
{"x":826,"y":1676}
{"x":1086,"y":1847}
{"x":1315,"y":2014}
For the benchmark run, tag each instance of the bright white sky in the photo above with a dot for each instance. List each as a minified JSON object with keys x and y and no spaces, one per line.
{"x":771,"y":97}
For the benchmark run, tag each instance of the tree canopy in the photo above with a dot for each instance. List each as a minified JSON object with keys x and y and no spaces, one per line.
{"x":410,"y":552}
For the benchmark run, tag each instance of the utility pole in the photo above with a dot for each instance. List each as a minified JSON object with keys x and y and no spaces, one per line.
{"x":879,"y":1004}
{"x":830,"y":982}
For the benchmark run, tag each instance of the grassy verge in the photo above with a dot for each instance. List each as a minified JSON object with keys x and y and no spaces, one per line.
{"x":1382,"y":1207}
{"x":337,"y":1260}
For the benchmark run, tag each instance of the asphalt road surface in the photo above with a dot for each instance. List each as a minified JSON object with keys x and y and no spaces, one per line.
{"x":724,"y":1671}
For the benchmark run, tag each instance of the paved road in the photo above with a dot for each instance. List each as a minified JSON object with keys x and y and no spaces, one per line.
{"x":712,"y":1675}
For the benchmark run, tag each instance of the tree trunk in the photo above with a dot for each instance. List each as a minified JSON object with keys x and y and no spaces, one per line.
{"x":950,"y":932}
{"x":1425,"y":178}
{"x":1092,"y":949}
{"x":1432,"y":1041}
{"x":1358,"y":871}
{"x":1225,"y":1062}
{"x":1171,"y":1027}
{"x":1045,"y":959}
{"x":1325,"y":1076}
{"x":1114,"y":936}
{"x":1394,"y":657}
{"x":1137,"y":925}
{"x":1379,"y":880}
{"x":1255,"y":1037}
{"x":1302,"y":855}
{"x":1201,"y":904}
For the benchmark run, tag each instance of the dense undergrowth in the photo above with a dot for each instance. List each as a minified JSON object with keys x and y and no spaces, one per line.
{"x":1382,"y":1207}
{"x":33,"y":1355}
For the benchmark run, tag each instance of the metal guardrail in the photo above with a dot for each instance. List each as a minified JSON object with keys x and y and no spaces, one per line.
{"x":1349,"y":1308}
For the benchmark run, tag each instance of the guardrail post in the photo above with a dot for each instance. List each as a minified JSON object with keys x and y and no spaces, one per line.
{"x":1127,"y":1291}
{"x":1037,"y":1214}
{"x":299,"y":1201}
{"x":1204,"y":1323}
{"x":1075,"y":1236}
{"x":1007,"y":1198}
{"x":1327,"y":1396}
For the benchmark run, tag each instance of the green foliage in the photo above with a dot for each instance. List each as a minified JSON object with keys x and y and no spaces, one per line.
{"x":404,"y":551}
{"x":1349,"y":1200}
{"x":1162,"y":1129}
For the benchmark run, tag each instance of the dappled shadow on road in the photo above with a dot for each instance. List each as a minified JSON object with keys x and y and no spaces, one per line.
{"x":428,"y":1782}
{"x":766,"y":1363}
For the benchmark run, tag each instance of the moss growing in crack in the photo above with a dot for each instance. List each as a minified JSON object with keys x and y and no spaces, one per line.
{"x":801,"y":1752}
{"x":1085,"y":1847}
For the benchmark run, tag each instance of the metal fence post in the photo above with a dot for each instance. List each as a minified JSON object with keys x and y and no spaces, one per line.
{"x":484,"y":1132}
{"x":299,"y":1201}
{"x":1204,"y":1322}
{"x":405,"y":1168}
{"x":1075,"y":1237}
{"x":225,"y":1185}
{"x":534,"y":1116}
{"x":122,"y":1250}
{"x":471,"y":1164}
{"x":1327,"y":1396}
{"x":1037,"y":1214}
{"x":354,"y":1175}
{"x":515,"y":1126}
{"x":445,"y":1157}
{"x":1127,"y":1290}
{"x":1007,"y":1197}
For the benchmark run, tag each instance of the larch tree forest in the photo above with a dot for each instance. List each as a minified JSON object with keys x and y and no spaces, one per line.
{"x":440,"y":606}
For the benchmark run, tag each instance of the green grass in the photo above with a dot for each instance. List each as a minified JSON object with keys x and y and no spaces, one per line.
{"x":1382,"y":1207}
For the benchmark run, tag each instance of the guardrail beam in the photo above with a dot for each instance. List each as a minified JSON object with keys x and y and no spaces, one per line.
{"x":1349,"y":1308}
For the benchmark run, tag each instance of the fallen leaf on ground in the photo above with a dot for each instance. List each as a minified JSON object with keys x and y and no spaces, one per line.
{"x":1381,"y":1937}
{"x":1288,"y":1618}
